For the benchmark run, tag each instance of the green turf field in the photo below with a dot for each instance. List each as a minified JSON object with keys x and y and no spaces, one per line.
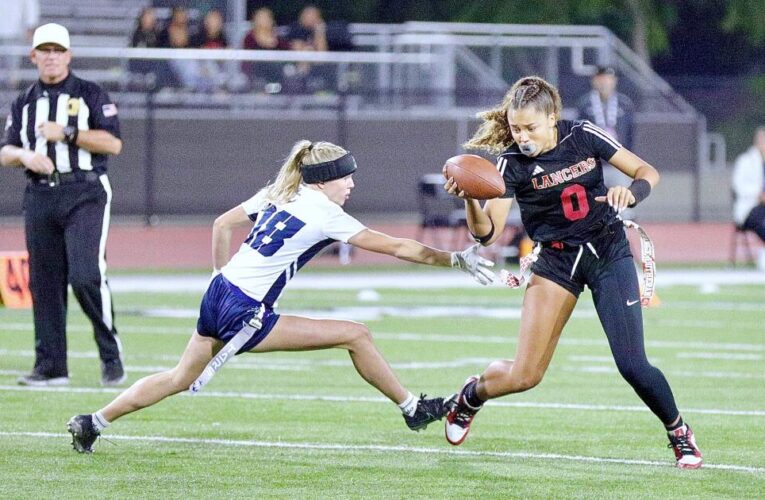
{"x":306,"y":425}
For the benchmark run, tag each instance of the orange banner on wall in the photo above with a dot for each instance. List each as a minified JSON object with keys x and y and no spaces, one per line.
{"x":14,"y":280}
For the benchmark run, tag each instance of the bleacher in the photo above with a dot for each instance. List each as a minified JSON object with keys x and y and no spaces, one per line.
{"x":403,"y":74}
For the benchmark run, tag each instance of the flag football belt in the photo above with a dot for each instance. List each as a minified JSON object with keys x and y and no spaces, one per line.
{"x":647,"y":258}
{"x":229,"y":350}
{"x":329,"y":170}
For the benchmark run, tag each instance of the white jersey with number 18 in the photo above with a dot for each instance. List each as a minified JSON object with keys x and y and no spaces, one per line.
{"x":283,"y":239}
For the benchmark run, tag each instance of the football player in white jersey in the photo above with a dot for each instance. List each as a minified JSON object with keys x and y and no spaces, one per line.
{"x":294,"y":218}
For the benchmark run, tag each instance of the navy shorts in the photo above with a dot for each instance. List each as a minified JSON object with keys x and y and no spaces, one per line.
{"x":225,"y":310}
{"x":560,"y":264}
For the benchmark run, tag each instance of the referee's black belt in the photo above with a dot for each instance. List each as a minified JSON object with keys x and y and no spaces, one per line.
{"x":58,"y":178}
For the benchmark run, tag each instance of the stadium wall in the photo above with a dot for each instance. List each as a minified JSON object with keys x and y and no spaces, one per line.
{"x":203,"y":166}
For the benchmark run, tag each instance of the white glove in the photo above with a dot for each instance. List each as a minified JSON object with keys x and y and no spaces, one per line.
{"x":476,"y":266}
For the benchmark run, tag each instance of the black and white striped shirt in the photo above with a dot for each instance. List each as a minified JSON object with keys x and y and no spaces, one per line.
{"x":74,"y":102}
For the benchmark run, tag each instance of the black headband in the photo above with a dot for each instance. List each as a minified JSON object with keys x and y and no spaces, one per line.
{"x":329,"y":170}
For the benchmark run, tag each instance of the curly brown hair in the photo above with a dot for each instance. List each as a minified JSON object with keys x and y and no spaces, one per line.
{"x":494,"y":133}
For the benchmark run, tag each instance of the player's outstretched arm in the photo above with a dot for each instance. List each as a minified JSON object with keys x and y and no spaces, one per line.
{"x":413,"y":251}
{"x":401,"y":248}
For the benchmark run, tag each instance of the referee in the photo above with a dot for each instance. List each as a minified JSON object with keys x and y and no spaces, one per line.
{"x":60,"y":130}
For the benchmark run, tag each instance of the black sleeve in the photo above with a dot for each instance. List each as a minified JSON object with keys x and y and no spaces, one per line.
{"x":505,"y":166}
{"x":12,"y":129}
{"x":596,"y":141}
{"x":103,"y":112}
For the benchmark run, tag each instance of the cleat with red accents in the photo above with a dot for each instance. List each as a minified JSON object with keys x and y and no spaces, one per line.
{"x":683,"y":443}
{"x":460,"y":416}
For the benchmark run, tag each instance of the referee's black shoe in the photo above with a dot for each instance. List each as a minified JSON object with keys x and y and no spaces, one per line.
{"x":83,"y":433}
{"x":112,"y":373}
{"x":36,"y":379}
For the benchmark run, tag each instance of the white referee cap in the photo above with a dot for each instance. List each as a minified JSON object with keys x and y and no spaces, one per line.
{"x":51,"y":33}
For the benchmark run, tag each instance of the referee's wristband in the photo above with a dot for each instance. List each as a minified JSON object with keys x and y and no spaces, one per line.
{"x":486,"y":237}
{"x":640,"y":189}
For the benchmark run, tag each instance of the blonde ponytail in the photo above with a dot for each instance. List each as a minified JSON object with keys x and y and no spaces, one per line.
{"x":304,"y":152}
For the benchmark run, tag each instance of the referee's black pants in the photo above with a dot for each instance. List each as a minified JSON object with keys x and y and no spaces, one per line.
{"x":66,"y":228}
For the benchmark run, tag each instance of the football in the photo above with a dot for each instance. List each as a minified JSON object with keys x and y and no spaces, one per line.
{"x":476,"y":176}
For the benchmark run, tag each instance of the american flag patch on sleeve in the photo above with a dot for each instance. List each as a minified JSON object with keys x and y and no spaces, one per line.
{"x":109,"y":110}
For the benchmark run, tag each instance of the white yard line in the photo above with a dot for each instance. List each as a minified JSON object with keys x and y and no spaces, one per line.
{"x":422,"y":280}
{"x":297,"y":364}
{"x":379,"y":399}
{"x":346,"y":448}
{"x":719,"y":355}
{"x":432,"y":337}
{"x":675,"y":373}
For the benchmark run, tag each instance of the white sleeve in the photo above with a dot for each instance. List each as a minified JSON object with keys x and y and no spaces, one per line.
{"x":744,"y":175}
{"x":255,"y":204}
{"x":341,"y":226}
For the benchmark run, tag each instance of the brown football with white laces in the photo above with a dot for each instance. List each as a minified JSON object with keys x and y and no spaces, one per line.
{"x":476,"y":176}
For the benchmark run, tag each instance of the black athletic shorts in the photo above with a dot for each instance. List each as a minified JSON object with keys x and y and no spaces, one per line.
{"x":573,"y":267}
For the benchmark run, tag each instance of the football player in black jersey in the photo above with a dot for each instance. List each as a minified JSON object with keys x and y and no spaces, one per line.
{"x":552,"y":167}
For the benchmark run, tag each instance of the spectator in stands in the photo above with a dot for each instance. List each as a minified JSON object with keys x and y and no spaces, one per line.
{"x":17,"y":23}
{"x":211,"y":35}
{"x":212,"y":75}
{"x":146,"y":36}
{"x":264,"y":36}
{"x":749,"y":189}
{"x":308,"y":33}
{"x":613,"y":112}
{"x":178,"y":35}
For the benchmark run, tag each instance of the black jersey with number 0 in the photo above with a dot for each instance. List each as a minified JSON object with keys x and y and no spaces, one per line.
{"x":556,"y":190}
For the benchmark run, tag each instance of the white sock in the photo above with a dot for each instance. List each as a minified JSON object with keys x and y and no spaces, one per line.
{"x":409,"y":406}
{"x":99,"y":422}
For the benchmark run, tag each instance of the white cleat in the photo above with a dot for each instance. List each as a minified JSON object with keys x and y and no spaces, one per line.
{"x":460,"y":417}
{"x":683,"y":443}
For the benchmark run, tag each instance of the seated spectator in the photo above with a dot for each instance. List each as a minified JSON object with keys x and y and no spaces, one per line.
{"x":308,"y":33}
{"x":749,"y":189}
{"x":263,"y":36}
{"x":211,"y":35}
{"x":177,"y":35}
{"x":146,"y":32}
{"x":146,"y":35}
{"x":212,"y":75}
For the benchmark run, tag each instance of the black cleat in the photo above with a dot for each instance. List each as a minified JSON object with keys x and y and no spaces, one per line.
{"x":83,"y":433}
{"x":428,"y":410}
{"x":112,"y":373}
